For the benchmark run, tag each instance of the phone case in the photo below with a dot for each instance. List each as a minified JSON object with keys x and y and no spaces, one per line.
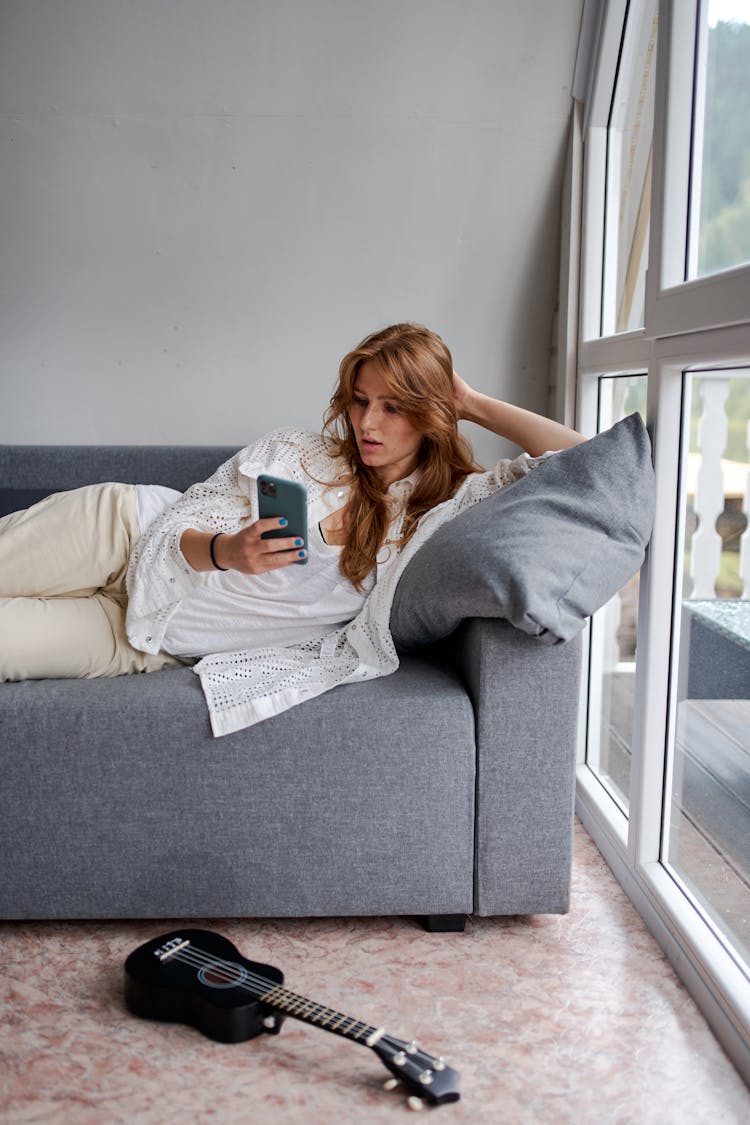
{"x":277,"y":498}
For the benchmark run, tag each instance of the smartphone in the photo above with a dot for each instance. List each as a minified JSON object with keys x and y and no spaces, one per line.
{"x":277,"y":498}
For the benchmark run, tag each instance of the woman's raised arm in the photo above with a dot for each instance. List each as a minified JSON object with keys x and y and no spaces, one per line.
{"x":532,"y":432}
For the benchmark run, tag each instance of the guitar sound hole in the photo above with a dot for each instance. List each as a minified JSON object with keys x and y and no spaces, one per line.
{"x":225,"y":975}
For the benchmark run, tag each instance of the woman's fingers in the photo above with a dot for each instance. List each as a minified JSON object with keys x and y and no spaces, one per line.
{"x":461,"y":392}
{"x":251,"y":553}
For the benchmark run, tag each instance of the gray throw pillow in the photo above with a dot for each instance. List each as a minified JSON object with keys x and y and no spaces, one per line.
{"x":544,"y":552}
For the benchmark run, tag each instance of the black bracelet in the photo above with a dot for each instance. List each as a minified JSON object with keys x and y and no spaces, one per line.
{"x":211,"y":552}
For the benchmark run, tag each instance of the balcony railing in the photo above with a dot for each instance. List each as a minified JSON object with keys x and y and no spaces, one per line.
{"x":721,"y":490}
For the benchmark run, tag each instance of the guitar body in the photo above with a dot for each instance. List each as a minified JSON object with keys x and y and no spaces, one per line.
{"x":215,"y":994}
{"x":198,"y":977}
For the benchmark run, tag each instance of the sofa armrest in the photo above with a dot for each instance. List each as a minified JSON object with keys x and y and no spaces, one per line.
{"x":525,"y":698}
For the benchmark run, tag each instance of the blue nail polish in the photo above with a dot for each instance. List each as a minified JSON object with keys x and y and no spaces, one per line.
{"x":302,"y":554}
{"x":298,"y":543}
{"x":283,"y":522}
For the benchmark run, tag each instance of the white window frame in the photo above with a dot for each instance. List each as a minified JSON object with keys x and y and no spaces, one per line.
{"x":689,"y":325}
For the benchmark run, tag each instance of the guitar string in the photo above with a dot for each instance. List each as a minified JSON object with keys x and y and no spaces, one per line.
{"x":228,"y":968}
{"x":198,"y":958}
{"x":359,"y":1031}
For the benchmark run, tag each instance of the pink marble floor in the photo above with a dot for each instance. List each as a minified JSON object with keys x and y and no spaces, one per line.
{"x":548,"y":1019}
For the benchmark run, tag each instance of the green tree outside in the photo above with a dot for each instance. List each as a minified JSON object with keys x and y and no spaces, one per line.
{"x":724,"y":239}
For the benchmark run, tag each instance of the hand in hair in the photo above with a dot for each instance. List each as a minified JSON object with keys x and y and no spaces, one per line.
{"x":532,"y":432}
{"x":461,"y":394}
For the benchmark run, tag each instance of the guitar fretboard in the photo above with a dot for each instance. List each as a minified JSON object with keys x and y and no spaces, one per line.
{"x":311,"y":1012}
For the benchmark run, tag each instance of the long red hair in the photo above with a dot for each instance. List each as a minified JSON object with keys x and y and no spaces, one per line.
{"x":417,"y":368}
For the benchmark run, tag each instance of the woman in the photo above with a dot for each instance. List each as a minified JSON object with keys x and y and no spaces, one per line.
{"x":147,"y":578}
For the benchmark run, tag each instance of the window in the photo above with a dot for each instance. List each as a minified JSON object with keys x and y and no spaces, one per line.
{"x":706,"y":827}
{"x":664,"y":770}
{"x":614,"y":633}
{"x":628,"y":183}
{"x":720,"y":174}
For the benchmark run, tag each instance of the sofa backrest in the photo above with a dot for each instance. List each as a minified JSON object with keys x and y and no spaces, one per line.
{"x":30,"y":472}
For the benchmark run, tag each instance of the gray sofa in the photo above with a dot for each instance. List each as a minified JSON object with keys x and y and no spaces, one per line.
{"x":443,"y":790}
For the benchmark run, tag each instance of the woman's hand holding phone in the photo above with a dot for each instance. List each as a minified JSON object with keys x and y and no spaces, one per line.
{"x":278,"y":538}
{"x":250,"y":553}
{"x":246,"y":551}
{"x":287,"y":500}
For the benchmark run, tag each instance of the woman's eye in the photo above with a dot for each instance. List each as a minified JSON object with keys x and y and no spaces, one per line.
{"x":359,"y":401}
{"x":391,"y":408}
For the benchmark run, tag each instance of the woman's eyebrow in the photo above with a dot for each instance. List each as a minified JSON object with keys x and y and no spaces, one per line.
{"x":378,"y":398}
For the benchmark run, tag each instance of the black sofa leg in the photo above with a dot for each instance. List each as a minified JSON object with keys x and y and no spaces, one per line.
{"x":444,"y":923}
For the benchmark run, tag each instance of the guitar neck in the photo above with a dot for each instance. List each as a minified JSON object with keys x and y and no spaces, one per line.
{"x":175,"y":977}
{"x":317,"y":1014}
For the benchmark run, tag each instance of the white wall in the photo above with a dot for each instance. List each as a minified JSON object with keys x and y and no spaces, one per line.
{"x":205,"y":203}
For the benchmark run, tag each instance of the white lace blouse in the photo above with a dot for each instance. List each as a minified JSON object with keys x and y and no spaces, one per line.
{"x":243,"y":687}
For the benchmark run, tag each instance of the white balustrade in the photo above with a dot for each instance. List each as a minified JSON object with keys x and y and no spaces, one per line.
{"x":705,"y":558}
{"x":745,"y":537}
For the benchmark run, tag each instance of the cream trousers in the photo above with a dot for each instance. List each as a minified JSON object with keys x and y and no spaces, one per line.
{"x":62,"y":587}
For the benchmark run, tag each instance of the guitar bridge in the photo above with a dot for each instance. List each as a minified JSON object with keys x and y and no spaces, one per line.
{"x":169,"y":950}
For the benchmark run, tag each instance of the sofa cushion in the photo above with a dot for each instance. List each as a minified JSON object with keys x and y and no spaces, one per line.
{"x":120,"y":806}
{"x":544,"y":552}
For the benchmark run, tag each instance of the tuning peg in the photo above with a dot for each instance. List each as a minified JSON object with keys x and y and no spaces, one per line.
{"x":391,"y":1083}
{"x":415,"y":1103}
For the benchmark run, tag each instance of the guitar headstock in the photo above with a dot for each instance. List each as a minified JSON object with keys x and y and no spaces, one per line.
{"x":428,"y":1078}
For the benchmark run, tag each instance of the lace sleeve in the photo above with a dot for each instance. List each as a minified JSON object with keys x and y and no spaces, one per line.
{"x":158,"y":574}
{"x":479,"y":486}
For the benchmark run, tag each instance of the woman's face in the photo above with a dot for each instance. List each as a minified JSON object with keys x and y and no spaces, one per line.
{"x":387,"y":441}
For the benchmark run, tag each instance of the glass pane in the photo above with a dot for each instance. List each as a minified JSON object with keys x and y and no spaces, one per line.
{"x":720,"y":196}
{"x":707,"y":818}
{"x":614,"y":635}
{"x":628,"y":193}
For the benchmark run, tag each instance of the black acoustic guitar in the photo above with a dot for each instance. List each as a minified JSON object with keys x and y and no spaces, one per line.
{"x":198,"y":977}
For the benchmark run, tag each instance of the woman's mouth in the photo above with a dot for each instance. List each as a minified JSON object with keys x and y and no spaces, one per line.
{"x":370,"y":443}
